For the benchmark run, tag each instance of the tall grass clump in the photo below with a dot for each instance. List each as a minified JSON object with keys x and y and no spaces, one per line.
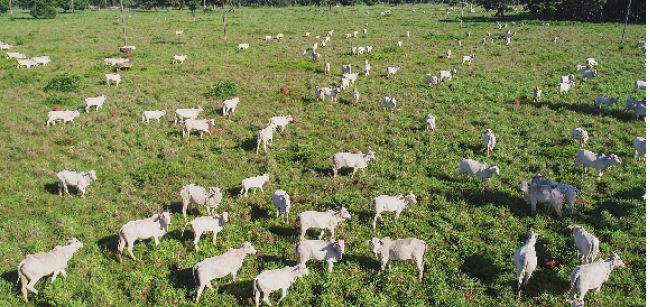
{"x":65,"y":82}
{"x":223,"y":90}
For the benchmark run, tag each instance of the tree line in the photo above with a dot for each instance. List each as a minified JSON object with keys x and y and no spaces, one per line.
{"x":578,"y":10}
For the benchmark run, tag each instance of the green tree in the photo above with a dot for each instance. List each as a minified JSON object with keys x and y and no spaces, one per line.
{"x":4,"y":6}
{"x":499,"y":5}
{"x":42,"y":8}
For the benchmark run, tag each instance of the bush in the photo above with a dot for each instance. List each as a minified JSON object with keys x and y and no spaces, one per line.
{"x":223,"y":90}
{"x":154,"y":173}
{"x":60,"y":100}
{"x":65,"y":82}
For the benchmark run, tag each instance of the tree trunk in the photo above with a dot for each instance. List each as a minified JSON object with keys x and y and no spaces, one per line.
{"x":626,"y":16}
{"x":123,"y":23}
{"x":11,"y":12}
{"x":223,"y":15}
{"x":204,"y":4}
{"x":72,"y":6}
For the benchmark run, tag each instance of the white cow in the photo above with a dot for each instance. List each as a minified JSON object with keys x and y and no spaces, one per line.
{"x":201,"y":225}
{"x":388,"y":249}
{"x":386,"y":203}
{"x":272,"y":280}
{"x":36,"y":266}
{"x":229,"y":105}
{"x":147,"y":115}
{"x":225,"y":264}
{"x":80,"y":180}
{"x":179,"y":58}
{"x":65,"y":116}
{"x":113,"y":77}
{"x":138,"y":230}
{"x":98,"y":102}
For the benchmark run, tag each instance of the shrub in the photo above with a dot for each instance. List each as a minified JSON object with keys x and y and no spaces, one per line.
{"x":65,"y":82}
{"x":223,"y":90}
{"x":60,"y":100}
{"x":156,"y":172}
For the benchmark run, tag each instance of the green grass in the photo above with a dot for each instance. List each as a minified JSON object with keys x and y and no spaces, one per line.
{"x":472,"y":229}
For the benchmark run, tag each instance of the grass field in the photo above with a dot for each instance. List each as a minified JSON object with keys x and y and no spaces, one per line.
{"x":472,"y":228}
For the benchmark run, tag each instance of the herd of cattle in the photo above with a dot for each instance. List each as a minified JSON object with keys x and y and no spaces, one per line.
{"x":590,"y":275}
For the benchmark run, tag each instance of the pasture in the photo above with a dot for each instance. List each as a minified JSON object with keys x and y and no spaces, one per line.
{"x":472,"y":228}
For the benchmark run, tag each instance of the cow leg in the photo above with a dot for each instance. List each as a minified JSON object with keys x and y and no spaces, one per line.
{"x":196,"y":242}
{"x":64,"y":274}
{"x":130,"y":250}
{"x":30,"y":285}
{"x":284,"y":293}
{"x":83,"y":192}
{"x":54,"y":275}
{"x":214,"y":238}
{"x":199,"y":292}
{"x":266,"y":299}
{"x":23,"y":288}
{"x":60,"y":189}
{"x":322,"y":232}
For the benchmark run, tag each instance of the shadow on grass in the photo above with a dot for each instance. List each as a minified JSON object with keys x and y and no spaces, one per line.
{"x":241,"y":290}
{"x":365,"y":262}
{"x":364,"y":216}
{"x":52,"y":188}
{"x":177,"y":207}
{"x":183,"y":279}
{"x":588,"y":109}
{"x":257,"y":212}
{"x":284,"y":231}
{"x":108,"y":247}
{"x":480,"y":267}
{"x":176,"y":235}
{"x":10,"y":276}
{"x":481,"y":196}
{"x":250,"y":144}
{"x":544,"y":281}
